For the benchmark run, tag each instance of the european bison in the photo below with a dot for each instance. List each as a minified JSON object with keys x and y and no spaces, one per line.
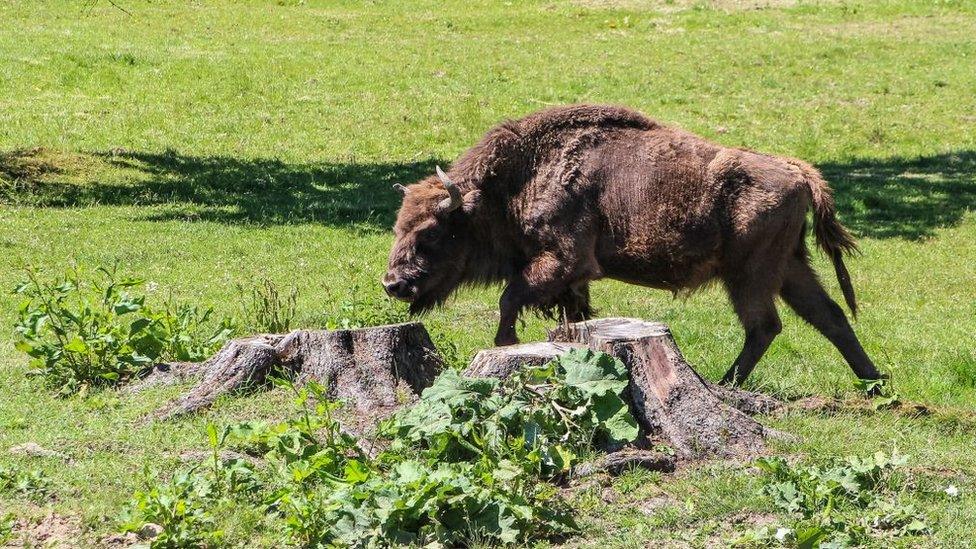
{"x":573,"y":194}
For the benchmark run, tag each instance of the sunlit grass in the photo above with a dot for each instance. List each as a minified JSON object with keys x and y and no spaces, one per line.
{"x":207,"y":145}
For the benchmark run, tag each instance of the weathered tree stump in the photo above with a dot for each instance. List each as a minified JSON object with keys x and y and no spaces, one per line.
{"x":371,"y":369}
{"x":667,"y":397}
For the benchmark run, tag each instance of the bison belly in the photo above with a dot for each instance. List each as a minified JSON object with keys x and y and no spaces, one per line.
{"x":660,"y":224}
{"x":685,"y":261}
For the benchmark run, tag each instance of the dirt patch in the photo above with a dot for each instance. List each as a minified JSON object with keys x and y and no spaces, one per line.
{"x":655,"y":504}
{"x":829,"y":405}
{"x":32,"y":449}
{"x":121,"y":540}
{"x":48,"y":530}
{"x":194,"y":457}
{"x":816,"y":403}
{"x":753,"y":519}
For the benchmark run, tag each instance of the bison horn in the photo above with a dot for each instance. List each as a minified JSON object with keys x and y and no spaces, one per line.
{"x":453,"y":201}
{"x":400,"y":188}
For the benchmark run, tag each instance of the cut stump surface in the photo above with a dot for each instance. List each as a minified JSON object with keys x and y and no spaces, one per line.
{"x":371,"y":369}
{"x":502,"y":362}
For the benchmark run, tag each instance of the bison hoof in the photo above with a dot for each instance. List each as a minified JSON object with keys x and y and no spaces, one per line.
{"x":505,"y":340}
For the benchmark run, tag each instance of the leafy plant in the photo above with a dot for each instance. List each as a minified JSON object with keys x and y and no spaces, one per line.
{"x":180,"y":507}
{"x":880,"y":391}
{"x":267,"y":308}
{"x":449,"y":350}
{"x":467,"y":462}
{"x":7,"y":523}
{"x":184,"y":507}
{"x":837,"y":504}
{"x":33,"y":484}
{"x":541,"y":418}
{"x":99,"y":331}
{"x":186,"y":332}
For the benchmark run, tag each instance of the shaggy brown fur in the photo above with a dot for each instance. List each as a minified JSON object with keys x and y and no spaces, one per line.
{"x":572,"y":194}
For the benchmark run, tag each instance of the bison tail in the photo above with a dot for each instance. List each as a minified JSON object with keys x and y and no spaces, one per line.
{"x":831,"y":236}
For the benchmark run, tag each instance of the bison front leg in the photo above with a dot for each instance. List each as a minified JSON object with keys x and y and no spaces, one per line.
{"x":510,"y":305}
{"x":541,"y":282}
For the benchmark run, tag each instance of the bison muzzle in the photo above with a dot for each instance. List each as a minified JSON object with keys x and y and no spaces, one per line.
{"x":568,"y":195}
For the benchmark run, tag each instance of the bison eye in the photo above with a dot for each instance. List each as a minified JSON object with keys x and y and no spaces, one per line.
{"x":424,"y":248}
{"x":428,"y":238}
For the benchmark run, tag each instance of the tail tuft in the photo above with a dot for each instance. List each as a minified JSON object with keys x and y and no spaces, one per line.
{"x":832,"y":237}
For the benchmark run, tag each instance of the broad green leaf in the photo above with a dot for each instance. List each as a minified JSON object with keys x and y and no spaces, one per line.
{"x":138,"y":325}
{"x":593,"y":373}
{"x":76,"y":345}
{"x":615,"y":417}
{"x":409,"y":471}
{"x":810,"y":538}
{"x":452,"y":388}
{"x":356,"y":472}
{"x":24,"y":347}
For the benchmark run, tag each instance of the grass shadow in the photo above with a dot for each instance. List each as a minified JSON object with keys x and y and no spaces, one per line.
{"x":225,"y":189}
{"x":904,"y":197}
{"x":880,"y":198}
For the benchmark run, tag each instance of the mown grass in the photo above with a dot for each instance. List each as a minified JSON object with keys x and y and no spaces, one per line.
{"x":210,"y":144}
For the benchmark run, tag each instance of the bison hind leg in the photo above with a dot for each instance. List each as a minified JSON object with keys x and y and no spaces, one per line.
{"x":804,"y":293}
{"x":762,"y":325}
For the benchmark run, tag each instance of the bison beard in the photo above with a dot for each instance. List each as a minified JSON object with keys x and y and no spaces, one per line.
{"x":565,"y":196}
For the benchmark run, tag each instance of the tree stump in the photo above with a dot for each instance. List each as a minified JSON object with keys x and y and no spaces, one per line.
{"x":667,"y":397}
{"x":372,"y":369}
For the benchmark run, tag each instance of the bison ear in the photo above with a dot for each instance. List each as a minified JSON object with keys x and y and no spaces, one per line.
{"x":471,"y":200}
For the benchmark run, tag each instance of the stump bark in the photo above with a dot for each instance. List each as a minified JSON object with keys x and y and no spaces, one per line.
{"x":667,"y":397}
{"x":371,"y":369}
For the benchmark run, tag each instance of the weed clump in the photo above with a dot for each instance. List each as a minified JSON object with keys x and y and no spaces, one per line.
{"x":841,"y":503}
{"x":267,"y":308}
{"x":469,"y":462}
{"x":82,"y":331}
{"x":34,"y":484}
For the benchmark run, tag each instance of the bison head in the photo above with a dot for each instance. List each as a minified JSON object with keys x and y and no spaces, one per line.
{"x":431,"y":246}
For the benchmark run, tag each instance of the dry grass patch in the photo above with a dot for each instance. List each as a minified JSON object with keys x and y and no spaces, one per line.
{"x":671,"y":6}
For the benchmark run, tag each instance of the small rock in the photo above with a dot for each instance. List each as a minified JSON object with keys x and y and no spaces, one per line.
{"x":33,"y":449}
{"x":721,"y":129}
{"x":150,"y":530}
{"x":653,"y":505}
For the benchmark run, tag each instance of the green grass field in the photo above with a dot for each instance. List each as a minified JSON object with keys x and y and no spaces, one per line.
{"x":209,"y":144}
